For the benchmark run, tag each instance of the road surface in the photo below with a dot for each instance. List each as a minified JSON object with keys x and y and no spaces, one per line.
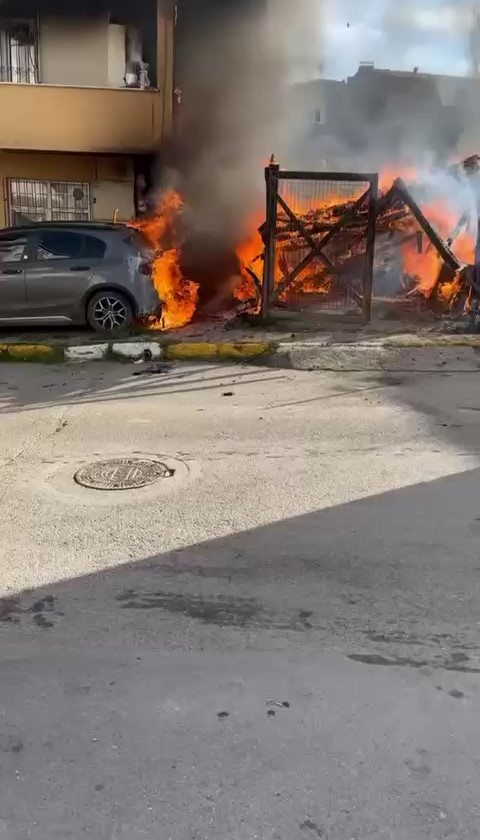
{"x":280,"y":641}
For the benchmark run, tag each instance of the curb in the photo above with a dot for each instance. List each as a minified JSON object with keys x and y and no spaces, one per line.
{"x":381,"y":357}
{"x":407,"y":353}
{"x":227,"y":351}
{"x":46,"y":353}
{"x":131,"y":351}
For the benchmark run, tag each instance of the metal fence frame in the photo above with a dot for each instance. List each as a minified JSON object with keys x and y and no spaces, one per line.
{"x":273,"y":174}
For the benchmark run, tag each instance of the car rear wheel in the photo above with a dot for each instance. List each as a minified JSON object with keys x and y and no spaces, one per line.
{"x":110,"y":313}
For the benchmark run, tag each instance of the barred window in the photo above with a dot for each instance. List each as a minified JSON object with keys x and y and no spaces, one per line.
{"x":18,"y":51}
{"x":48,"y":201}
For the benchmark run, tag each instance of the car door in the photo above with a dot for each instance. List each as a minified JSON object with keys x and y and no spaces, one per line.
{"x":13,"y":255}
{"x":58,"y":274}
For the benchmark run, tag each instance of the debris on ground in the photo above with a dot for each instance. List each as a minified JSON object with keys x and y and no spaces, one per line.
{"x":154,"y":370}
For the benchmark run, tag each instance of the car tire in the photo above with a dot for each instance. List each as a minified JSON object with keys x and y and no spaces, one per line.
{"x":110,"y":313}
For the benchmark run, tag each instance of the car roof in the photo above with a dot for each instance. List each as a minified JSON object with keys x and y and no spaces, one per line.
{"x":101,"y":226}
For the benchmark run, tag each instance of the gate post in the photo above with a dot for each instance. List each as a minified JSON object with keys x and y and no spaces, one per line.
{"x":370,"y":250}
{"x":270,"y":237}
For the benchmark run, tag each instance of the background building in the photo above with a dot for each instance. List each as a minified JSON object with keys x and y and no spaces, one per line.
{"x":377,"y":117}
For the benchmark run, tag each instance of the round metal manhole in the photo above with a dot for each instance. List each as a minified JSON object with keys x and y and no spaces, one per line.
{"x":122,"y":474}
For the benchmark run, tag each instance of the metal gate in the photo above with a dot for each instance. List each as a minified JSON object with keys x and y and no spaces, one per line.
{"x":319,"y":239}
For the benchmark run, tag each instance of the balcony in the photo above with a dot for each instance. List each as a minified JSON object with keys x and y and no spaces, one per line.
{"x":42,"y":117}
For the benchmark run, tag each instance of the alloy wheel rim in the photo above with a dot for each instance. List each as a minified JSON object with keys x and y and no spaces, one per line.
{"x":110,"y":313}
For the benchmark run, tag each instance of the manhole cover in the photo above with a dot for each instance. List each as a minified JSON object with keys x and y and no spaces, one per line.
{"x":122,"y":474}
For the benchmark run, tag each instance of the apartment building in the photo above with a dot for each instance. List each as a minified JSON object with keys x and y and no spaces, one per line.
{"x":86,"y":91}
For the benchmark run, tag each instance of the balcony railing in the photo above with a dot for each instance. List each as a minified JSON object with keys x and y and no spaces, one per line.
{"x":75,"y":119}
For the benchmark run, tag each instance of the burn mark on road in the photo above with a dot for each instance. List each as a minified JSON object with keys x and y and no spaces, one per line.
{"x":45,"y":604}
{"x":42,"y":622}
{"x":405,"y":662}
{"x":12,"y":611}
{"x":311,"y":825}
{"x":221,"y":611}
{"x":418,"y":769}
{"x":224,"y":612}
{"x":10,"y":744}
{"x":456,"y":694}
{"x":376,"y":659}
{"x":392,"y":638}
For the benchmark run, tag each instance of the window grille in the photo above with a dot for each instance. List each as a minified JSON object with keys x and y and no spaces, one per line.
{"x":18,"y":51}
{"x":48,"y":201}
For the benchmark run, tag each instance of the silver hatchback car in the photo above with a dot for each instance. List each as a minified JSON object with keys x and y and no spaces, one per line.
{"x":76,"y":273}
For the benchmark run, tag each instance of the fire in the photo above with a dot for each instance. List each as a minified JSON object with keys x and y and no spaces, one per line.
{"x":249,"y":253}
{"x":390,"y":174}
{"x":178,"y":294}
{"x":421,"y":264}
{"x":424,"y":268}
{"x":450,"y":291}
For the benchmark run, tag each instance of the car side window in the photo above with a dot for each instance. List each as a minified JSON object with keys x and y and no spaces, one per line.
{"x":12,"y":248}
{"x":60,"y":245}
{"x":94,"y":247}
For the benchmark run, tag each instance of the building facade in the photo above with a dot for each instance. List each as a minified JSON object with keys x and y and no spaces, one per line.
{"x":379,"y":117}
{"x":86,"y":103}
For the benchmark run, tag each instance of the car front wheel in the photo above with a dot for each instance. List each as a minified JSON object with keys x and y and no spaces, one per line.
{"x":109,"y":313}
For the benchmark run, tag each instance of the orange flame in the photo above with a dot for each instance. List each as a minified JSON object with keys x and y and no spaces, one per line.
{"x":390,"y":174}
{"x":425,"y":267}
{"x":178,"y":294}
{"x":249,"y":253}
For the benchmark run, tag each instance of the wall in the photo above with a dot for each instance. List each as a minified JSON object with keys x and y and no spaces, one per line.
{"x":112,"y":196}
{"x":116,"y":56}
{"x":306,"y":98}
{"x":74,"y":51}
{"x":166,"y":58}
{"x":312,"y":145}
{"x":76,"y":119}
{"x":111,"y":178}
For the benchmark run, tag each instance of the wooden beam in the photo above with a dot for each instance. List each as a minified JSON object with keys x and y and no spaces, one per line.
{"x":440,"y":246}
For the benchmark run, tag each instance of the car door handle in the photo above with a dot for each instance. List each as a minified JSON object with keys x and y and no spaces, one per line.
{"x":11,"y":271}
{"x":80,"y":268}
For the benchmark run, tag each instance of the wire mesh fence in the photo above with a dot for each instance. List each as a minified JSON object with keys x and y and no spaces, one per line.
{"x":332,"y":279}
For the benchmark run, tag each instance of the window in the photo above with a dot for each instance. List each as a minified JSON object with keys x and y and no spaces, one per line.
{"x":94,"y":247}
{"x":67,"y":245}
{"x":18,"y":51}
{"x":60,"y":245}
{"x":48,"y":201}
{"x":12,"y":248}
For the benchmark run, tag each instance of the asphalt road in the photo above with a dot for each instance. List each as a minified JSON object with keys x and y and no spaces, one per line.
{"x":279,"y":641}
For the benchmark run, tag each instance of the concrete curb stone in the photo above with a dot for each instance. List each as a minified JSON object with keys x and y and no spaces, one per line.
{"x":408,"y":353}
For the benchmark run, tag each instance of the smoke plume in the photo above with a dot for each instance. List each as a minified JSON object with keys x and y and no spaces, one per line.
{"x":234,"y":70}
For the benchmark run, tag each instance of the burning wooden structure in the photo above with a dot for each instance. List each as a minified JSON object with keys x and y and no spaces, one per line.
{"x":333,"y":238}
{"x":335,"y":247}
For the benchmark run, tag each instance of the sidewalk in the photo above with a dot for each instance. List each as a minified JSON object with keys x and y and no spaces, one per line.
{"x":343,"y":346}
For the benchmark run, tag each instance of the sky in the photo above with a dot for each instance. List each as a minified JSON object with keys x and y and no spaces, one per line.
{"x":397,"y":34}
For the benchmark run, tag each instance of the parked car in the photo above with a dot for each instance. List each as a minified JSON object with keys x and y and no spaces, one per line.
{"x":55,"y":273}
